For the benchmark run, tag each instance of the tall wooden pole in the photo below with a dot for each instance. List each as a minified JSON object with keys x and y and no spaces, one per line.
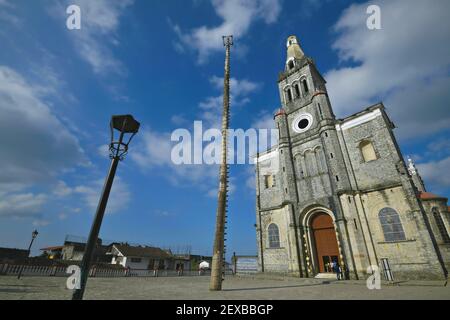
{"x":218,"y":260}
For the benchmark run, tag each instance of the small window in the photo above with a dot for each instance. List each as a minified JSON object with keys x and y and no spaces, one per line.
{"x":269,"y":181}
{"x":440,"y":224}
{"x":320,"y":109}
{"x":297,"y":90}
{"x":391,"y":225}
{"x":367,"y":151}
{"x":136,"y":260}
{"x":274,"y":236}
{"x":305,"y":86}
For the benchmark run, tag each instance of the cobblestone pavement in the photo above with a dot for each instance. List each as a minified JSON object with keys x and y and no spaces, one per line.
{"x":197,"y":288}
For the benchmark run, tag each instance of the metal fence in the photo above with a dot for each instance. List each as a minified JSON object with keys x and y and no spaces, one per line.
{"x":245,"y":264}
{"x":60,"y":271}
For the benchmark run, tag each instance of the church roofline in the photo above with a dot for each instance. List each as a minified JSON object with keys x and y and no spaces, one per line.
{"x":378,"y":105}
{"x":431,"y":196}
{"x":265,"y":152}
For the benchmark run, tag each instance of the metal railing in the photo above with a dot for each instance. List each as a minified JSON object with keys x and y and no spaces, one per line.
{"x":60,"y":271}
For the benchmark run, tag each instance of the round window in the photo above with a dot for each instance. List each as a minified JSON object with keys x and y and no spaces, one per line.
{"x":302,"y":122}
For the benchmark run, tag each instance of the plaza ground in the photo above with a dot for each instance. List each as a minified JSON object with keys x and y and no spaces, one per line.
{"x":192,"y":288}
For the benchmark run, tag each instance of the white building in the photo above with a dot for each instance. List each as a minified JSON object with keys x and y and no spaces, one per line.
{"x":148,"y":258}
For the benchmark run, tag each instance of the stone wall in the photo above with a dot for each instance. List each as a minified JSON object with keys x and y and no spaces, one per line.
{"x":413,"y":258}
{"x":276,"y":259}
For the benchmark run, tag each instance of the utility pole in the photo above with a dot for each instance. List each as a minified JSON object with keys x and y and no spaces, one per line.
{"x":218,"y":260}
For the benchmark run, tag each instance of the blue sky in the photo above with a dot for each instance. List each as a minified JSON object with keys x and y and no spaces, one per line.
{"x":162,"y":61}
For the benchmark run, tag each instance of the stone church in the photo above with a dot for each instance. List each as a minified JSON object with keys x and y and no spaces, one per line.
{"x":340,"y":190}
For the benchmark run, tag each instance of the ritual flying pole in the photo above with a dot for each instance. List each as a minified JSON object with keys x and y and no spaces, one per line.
{"x":218,"y":260}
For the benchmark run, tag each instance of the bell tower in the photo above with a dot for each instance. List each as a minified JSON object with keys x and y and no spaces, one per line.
{"x":294,"y":52}
{"x":301,"y":82}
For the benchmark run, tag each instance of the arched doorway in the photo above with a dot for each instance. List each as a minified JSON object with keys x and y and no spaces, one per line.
{"x":325,"y":242}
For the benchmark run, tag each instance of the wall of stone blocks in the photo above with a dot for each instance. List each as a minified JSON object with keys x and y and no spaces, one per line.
{"x":441,"y":204}
{"x":376,"y":173}
{"x":276,"y":259}
{"x":414,"y":258}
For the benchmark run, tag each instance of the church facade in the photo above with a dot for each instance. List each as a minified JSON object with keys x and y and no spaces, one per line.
{"x":339,"y":190}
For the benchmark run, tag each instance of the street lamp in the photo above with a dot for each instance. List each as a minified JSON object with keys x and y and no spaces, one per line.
{"x":127,"y":127}
{"x":33,"y":236}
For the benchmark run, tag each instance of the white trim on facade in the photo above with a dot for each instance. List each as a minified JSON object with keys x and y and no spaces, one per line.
{"x":359,"y":120}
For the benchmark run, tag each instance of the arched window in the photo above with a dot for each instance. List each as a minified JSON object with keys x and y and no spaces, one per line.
{"x":297,"y":90}
{"x":291,"y":65}
{"x":289,"y":95}
{"x":440,"y":224}
{"x":274,"y":236}
{"x":367,"y":151}
{"x":305,"y":86}
{"x":391,"y":224}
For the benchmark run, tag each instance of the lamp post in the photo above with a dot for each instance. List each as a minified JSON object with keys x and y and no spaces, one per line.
{"x":33,"y":236}
{"x":124,"y":124}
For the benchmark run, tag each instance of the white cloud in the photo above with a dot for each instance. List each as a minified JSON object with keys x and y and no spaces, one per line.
{"x":103,"y":150}
{"x":405,"y":64}
{"x":100,"y":20}
{"x":435,"y":173}
{"x":154,"y":153}
{"x":264,"y":120}
{"x":212,"y":106}
{"x":39,"y":145}
{"x":118,"y":199}
{"x":237,"y":16}
{"x":5,"y":3}
{"x":62,"y":189}
{"x":7,"y":16}
{"x":19,"y":205}
{"x":178,"y":120}
{"x":63,"y":216}
{"x":156,"y":147}
{"x":162,"y":213}
{"x":41,"y":223}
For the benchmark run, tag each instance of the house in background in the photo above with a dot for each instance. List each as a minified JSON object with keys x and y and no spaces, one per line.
{"x":74,"y":251}
{"x":53,"y":253}
{"x":140,"y":257}
{"x":12,"y":255}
